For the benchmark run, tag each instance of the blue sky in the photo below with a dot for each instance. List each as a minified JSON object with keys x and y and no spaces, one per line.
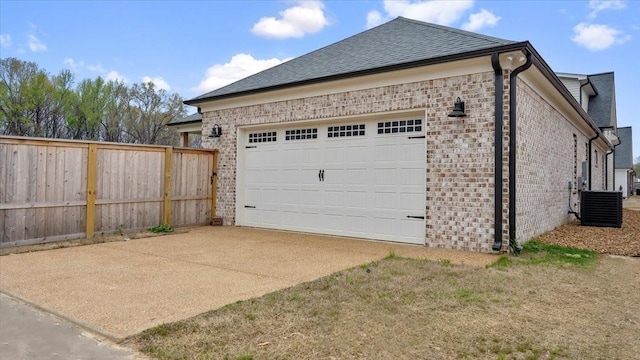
{"x":191,"y":47}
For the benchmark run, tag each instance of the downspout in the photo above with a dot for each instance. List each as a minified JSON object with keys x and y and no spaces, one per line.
{"x":512,"y":150}
{"x":497,"y":215}
{"x":590,"y":141}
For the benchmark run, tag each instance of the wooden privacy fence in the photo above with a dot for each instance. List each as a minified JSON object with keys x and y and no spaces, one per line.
{"x":53,"y":190}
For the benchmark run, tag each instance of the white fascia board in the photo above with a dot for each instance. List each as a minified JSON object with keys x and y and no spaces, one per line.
{"x":195,"y":127}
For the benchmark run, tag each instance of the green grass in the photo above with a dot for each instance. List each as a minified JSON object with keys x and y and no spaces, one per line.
{"x":164,"y":228}
{"x":535,"y":252}
{"x":391,"y":255}
{"x":541,"y":253}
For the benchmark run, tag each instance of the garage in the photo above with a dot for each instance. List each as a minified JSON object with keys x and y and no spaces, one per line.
{"x":357,"y":178}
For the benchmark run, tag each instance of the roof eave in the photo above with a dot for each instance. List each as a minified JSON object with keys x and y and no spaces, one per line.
{"x":185,"y":122}
{"x":383,"y":69}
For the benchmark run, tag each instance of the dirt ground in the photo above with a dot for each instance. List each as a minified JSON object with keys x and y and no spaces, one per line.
{"x":80,"y":242}
{"x":617,"y":241}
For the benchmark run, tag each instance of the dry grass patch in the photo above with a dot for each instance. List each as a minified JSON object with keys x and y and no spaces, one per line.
{"x":404,"y":308}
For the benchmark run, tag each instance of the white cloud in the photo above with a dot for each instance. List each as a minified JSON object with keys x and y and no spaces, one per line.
{"x":114,"y":76}
{"x":480,"y":20}
{"x":158,"y":81}
{"x":5,"y":40}
{"x":596,"y":37}
{"x":240,"y":66}
{"x":72,"y":64}
{"x":374,"y":18}
{"x":96,"y":68}
{"x":439,"y":12}
{"x":35,"y":44}
{"x":600,"y":5}
{"x":307,"y":17}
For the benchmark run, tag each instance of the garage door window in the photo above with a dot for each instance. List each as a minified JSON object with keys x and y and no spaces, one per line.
{"x":345,"y":130}
{"x":301,"y":134}
{"x":401,"y":126}
{"x":261,"y":137}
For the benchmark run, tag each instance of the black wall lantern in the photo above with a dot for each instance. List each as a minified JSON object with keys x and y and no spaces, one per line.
{"x":216,"y":131}
{"x":458,"y":109}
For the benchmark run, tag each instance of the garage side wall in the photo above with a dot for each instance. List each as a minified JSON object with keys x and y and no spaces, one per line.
{"x":549,"y":155}
{"x":460,"y":156}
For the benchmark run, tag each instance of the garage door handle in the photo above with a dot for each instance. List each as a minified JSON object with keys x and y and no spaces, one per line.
{"x":321,"y":175}
{"x":415,"y":217}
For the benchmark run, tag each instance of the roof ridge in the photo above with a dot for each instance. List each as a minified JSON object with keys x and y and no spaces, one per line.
{"x":455,"y":30}
{"x":603,"y":73}
{"x":397,"y":43}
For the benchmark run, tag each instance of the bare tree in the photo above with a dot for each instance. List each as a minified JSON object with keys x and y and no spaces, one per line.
{"x":148,"y":112}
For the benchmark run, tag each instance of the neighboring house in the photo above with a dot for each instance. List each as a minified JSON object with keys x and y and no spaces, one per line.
{"x":186,"y":126}
{"x":360,"y":138}
{"x":596,"y":94}
{"x":624,"y":162}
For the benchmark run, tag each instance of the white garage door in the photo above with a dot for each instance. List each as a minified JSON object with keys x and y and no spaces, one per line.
{"x":360,"y":179}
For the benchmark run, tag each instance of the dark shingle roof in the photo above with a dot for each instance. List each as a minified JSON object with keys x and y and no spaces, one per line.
{"x":186,"y":120}
{"x":600,"y":105}
{"x":624,"y":151}
{"x":397,"y":42}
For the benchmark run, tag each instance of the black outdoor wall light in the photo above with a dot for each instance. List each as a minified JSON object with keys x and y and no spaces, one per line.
{"x":216,"y":131}
{"x":458,"y":109}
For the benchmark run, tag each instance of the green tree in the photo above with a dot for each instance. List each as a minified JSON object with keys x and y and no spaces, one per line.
{"x":93,"y":99}
{"x":32,"y":103}
{"x":636,"y":166}
{"x":15,"y":78}
{"x":112,"y":124}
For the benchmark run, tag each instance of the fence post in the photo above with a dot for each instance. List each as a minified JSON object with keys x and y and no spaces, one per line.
{"x":168,"y":171}
{"x":92,"y":157}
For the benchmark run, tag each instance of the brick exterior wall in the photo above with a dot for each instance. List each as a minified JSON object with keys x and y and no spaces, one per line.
{"x":545,"y":165}
{"x":460,"y":160}
{"x":459,"y":154}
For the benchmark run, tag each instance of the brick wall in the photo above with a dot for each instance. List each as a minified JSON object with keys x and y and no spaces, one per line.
{"x":460,"y":159}
{"x":459,"y":154}
{"x":545,"y":165}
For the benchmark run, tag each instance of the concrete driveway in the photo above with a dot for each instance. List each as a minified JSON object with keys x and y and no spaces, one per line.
{"x":118,"y":289}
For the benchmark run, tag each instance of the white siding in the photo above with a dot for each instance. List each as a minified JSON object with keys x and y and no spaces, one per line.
{"x":573,"y":85}
{"x":622,"y":180}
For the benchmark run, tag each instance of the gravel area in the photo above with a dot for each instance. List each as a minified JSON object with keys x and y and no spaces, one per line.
{"x":615,"y":241}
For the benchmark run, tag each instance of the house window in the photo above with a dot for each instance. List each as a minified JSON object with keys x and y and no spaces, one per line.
{"x":586,"y":152}
{"x":261,"y":137}
{"x":345,"y":130}
{"x":301,"y":134}
{"x":402,"y":126}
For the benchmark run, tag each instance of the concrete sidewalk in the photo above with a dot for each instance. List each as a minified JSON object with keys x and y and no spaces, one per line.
{"x":29,"y":334}
{"x":121,"y":288}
